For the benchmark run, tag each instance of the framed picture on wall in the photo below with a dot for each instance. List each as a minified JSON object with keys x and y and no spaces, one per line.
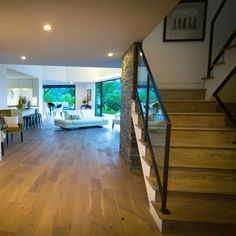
{"x":186,"y":22}
{"x":88,"y":95}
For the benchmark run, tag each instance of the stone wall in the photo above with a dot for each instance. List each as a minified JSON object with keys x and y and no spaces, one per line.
{"x":128,"y":144}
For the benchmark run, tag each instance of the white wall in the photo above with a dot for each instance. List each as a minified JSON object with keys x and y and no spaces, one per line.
{"x":178,"y":64}
{"x":224,"y":25}
{"x":81,"y":93}
{"x":91,"y":74}
{"x":3,"y":87}
{"x":84,"y":76}
{"x":27,"y":87}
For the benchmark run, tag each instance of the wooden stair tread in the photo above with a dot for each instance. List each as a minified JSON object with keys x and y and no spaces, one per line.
{"x":198,"y":163}
{"x":204,"y":128}
{"x":183,"y":94}
{"x":188,"y":101}
{"x":181,"y":89}
{"x":139,"y":126}
{"x":197,"y":119}
{"x":147,"y":159}
{"x":202,"y":147}
{"x":143,"y":142}
{"x":191,"y":185}
{"x":196,"y":114}
{"x":226,"y":146}
{"x":196,"y":146}
{"x":201,"y":209}
{"x":182,"y":128}
{"x":204,"y":164}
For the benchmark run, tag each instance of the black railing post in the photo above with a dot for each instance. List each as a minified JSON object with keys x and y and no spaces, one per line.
{"x":147,"y":108}
{"x":166,"y":170}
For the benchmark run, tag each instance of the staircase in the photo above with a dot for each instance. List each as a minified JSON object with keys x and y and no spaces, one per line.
{"x":202,"y":166}
{"x":222,"y":65}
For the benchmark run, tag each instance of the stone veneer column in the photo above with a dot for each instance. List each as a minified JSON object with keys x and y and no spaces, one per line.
{"x":128,"y":144}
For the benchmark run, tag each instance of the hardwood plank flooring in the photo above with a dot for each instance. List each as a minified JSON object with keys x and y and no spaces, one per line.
{"x":62,"y":182}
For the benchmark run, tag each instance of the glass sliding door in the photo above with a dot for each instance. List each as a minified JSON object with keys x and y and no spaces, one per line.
{"x":98,"y":99}
{"x":111,"y":96}
{"x":108,"y":97}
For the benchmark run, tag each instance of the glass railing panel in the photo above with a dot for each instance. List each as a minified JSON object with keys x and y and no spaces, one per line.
{"x":225,"y":22}
{"x":227,"y":96}
{"x":157,"y":130}
{"x":142,"y":78}
{"x":156,"y":126}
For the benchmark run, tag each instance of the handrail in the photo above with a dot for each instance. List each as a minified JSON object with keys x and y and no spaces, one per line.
{"x":162,"y":187}
{"x":221,"y":103}
{"x":227,"y":44}
{"x":212,"y":36}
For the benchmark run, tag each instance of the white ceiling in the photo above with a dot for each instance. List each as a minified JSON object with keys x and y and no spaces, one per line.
{"x":83,"y":31}
{"x":12,"y":74}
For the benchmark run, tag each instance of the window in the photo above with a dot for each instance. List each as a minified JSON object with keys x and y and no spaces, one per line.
{"x":60,"y":94}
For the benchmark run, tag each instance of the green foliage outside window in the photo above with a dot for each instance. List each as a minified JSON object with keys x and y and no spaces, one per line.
{"x":143,"y":93}
{"x":111,"y":97}
{"x":60,"y":95}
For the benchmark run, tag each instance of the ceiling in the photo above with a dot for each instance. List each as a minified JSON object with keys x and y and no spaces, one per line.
{"x":82,"y":34}
{"x":12,"y":74}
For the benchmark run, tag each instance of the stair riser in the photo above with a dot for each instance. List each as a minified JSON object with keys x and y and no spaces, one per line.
{"x":202,"y":137}
{"x":199,"y":158}
{"x":189,"y":137}
{"x":169,"y":94}
{"x":201,"y":174}
{"x":195,"y":228}
{"x":197,"y":121}
{"x":185,"y":152}
{"x":182,"y":106}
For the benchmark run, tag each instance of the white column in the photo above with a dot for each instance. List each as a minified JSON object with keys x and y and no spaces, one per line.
{"x":40,"y":95}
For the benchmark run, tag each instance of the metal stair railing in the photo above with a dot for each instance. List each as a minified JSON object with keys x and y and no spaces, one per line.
{"x":156,"y":125}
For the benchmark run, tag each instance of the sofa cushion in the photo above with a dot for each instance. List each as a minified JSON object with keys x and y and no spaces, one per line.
{"x":71,"y":112}
{"x":87,"y":113}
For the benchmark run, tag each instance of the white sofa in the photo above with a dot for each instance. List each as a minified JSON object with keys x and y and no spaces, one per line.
{"x":80,"y":118}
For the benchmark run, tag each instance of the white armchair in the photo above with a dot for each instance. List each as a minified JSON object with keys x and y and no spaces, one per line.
{"x":58,"y":110}
{"x":116,"y":120}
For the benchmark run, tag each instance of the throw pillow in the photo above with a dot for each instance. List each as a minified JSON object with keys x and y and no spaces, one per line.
{"x":11,"y":121}
{"x":75,"y":117}
{"x":87,"y":113}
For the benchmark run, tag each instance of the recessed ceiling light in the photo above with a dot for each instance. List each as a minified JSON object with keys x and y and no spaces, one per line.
{"x":110,"y":54}
{"x":47,"y":27}
{"x":141,"y":54}
{"x":23,"y":57}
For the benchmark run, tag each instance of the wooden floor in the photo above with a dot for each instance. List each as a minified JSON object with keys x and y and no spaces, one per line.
{"x":71,"y":183}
